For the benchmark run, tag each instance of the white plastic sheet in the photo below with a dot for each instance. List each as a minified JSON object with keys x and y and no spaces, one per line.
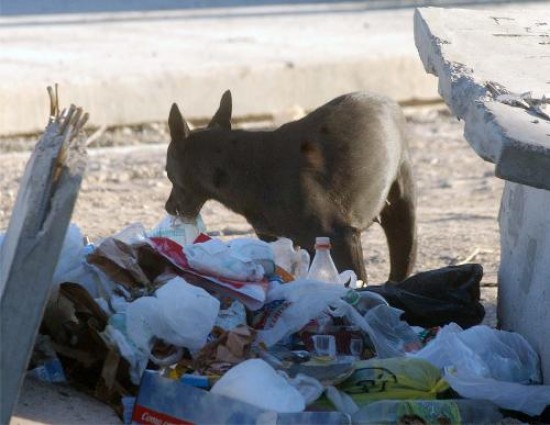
{"x":304,"y":301}
{"x":488,"y":364}
{"x":256,"y":382}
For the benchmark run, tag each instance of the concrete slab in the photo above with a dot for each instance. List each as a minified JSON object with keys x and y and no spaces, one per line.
{"x":472,"y":53}
{"x":31,"y":246}
{"x":467,"y":50}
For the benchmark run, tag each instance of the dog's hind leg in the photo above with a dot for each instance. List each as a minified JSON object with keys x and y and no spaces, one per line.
{"x":398,"y":219}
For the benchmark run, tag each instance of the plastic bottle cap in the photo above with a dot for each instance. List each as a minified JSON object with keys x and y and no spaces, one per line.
{"x":322,"y":242}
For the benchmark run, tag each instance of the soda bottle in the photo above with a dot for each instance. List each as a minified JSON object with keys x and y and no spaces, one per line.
{"x":322,"y":267}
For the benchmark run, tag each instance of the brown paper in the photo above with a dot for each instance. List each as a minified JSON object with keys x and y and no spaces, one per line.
{"x":230,"y":348}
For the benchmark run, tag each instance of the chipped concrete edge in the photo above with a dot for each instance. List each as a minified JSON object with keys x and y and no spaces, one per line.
{"x":457,"y":86}
{"x":470,"y":100}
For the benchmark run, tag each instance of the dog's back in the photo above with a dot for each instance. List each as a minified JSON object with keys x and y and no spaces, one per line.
{"x":328,"y":174}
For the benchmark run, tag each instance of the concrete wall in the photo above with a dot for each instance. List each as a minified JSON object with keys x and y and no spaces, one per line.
{"x":524,"y":274}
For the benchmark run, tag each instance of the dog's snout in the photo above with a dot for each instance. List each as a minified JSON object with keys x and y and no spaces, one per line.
{"x":170,"y":205}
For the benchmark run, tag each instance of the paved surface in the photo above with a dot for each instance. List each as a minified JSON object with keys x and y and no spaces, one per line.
{"x":468,"y":50}
{"x":129,"y":68}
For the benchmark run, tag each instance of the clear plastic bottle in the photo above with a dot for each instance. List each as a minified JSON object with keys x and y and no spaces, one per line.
{"x":363,"y":301}
{"x":322,"y":267}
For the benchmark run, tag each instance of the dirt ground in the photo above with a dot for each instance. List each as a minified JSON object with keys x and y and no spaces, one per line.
{"x":458,"y":195}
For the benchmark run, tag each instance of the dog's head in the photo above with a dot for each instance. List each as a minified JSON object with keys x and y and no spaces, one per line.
{"x":187,"y":159}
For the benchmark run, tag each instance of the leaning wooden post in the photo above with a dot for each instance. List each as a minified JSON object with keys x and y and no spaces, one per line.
{"x":33,"y":241}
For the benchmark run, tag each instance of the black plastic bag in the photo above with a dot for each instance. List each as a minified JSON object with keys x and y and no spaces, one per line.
{"x":438,"y":297}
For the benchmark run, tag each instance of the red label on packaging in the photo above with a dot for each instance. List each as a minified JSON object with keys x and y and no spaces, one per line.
{"x":146,"y":416}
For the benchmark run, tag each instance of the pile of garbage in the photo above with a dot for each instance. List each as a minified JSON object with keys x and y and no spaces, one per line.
{"x":174,"y":326}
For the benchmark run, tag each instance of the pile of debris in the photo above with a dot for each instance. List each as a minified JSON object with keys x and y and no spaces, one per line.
{"x":173,"y":325}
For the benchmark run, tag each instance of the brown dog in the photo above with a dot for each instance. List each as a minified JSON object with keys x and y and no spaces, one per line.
{"x":331,"y":173}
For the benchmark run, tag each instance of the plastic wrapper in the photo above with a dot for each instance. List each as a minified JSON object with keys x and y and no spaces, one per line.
{"x":244,"y":259}
{"x":296,"y":304}
{"x":252,"y":293}
{"x":178,"y":230}
{"x":293,"y":260}
{"x":179,"y":314}
{"x":488,"y":364}
{"x":395,"y":378}
{"x":394,"y":337}
{"x":257,"y":383}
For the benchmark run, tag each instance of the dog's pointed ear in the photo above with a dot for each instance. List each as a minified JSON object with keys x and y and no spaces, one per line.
{"x":179,"y":129}
{"x":222,"y":117}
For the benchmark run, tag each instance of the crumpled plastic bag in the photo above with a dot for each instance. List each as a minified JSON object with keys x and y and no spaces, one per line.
{"x":254,"y":381}
{"x":179,"y":314}
{"x":394,"y":337}
{"x":529,"y":399}
{"x":178,"y":230}
{"x":73,"y":267}
{"x":310,"y":388}
{"x":500,"y":363}
{"x":484,"y":352}
{"x":438,"y":297}
{"x":394,"y":378}
{"x":241,"y":259}
{"x":296,"y":303}
{"x":341,"y":400}
{"x":294,"y":261}
{"x":70,"y":255}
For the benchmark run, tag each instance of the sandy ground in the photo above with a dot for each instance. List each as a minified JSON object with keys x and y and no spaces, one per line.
{"x":458,"y":201}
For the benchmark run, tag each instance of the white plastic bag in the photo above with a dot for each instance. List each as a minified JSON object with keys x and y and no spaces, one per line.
{"x":180,"y":314}
{"x":70,"y":255}
{"x":242,"y":260}
{"x":529,"y":399}
{"x":391,"y":339}
{"x":294,"y":261}
{"x":489,"y":364}
{"x":310,"y":388}
{"x":179,"y":231}
{"x":342,"y":401}
{"x":484,"y":352}
{"x":304,"y":301}
{"x":256,"y":382}
{"x":394,"y":337}
{"x":188,"y":312}
{"x":73,"y":267}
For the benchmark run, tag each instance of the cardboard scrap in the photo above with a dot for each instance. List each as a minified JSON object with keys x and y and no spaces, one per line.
{"x":227,"y":350}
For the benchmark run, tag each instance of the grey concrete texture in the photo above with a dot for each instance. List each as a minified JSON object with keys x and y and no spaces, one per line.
{"x":524,"y":272}
{"x":30,"y":250}
{"x":469,"y":49}
{"x":128,"y":68}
